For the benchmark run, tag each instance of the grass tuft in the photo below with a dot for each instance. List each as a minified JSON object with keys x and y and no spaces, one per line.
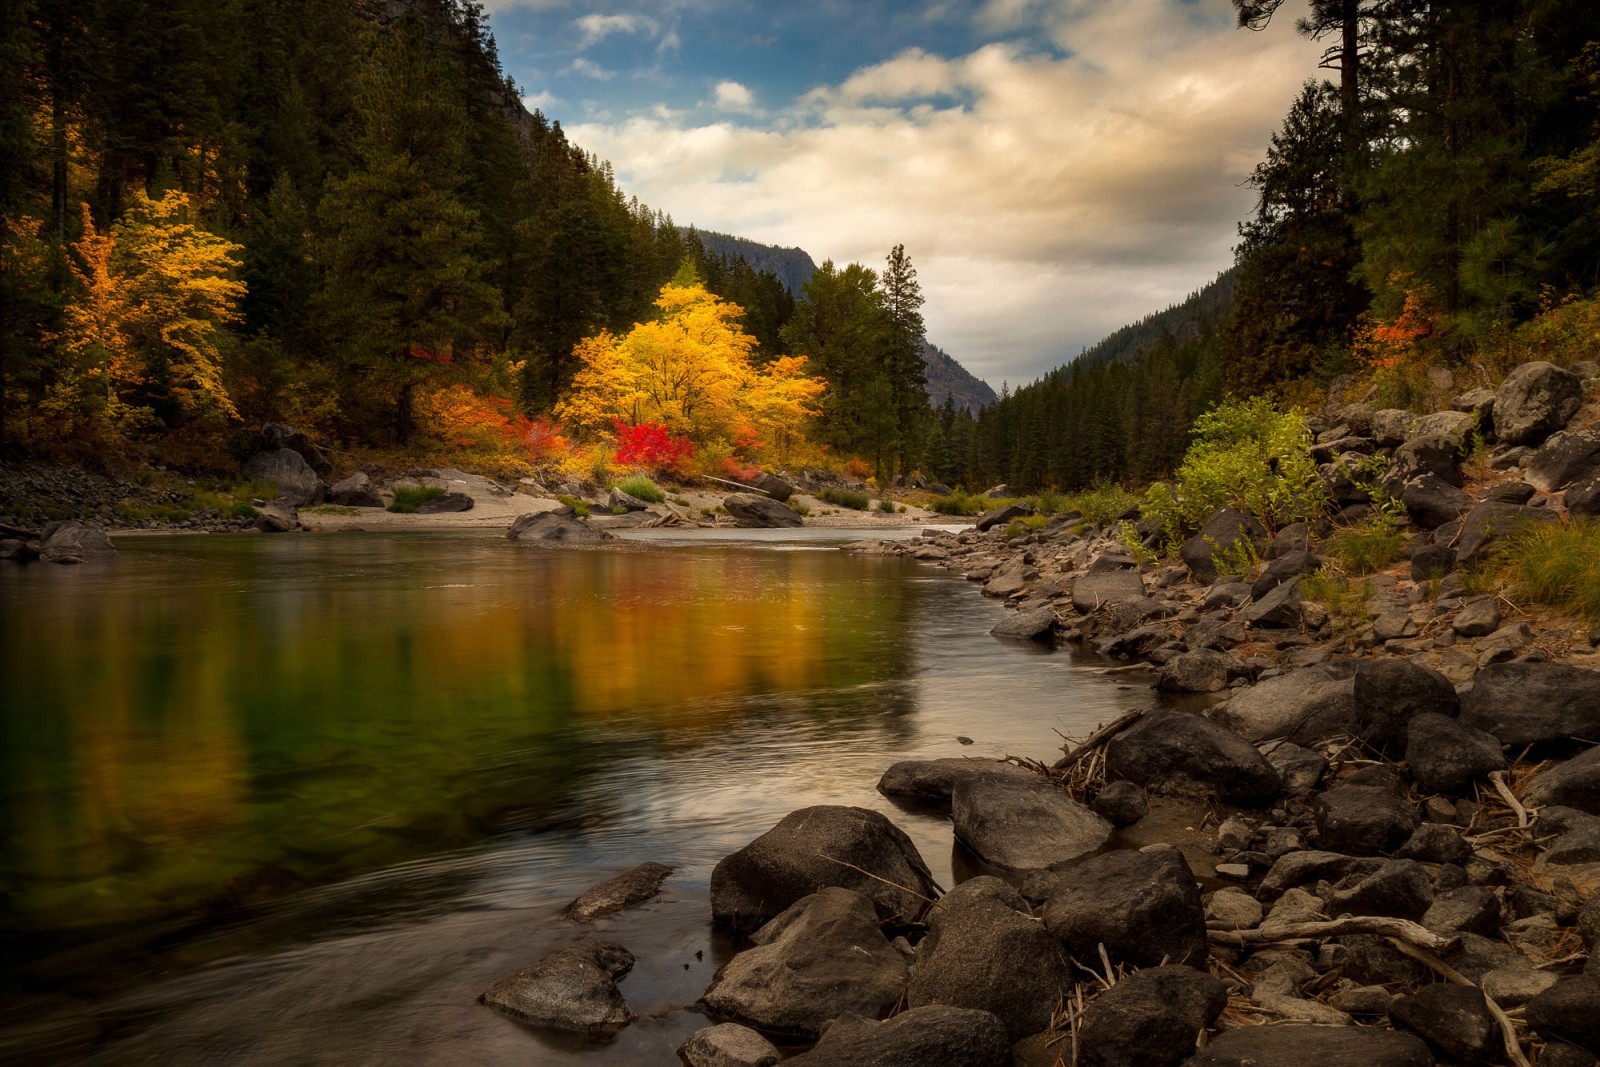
{"x":641,"y":487}
{"x":1368,"y":548}
{"x":846,"y":498}
{"x":408,"y":498}
{"x":1558,"y":566}
{"x":958,"y":503}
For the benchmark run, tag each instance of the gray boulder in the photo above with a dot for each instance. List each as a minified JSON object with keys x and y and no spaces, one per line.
{"x":1566,"y":1012}
{"x":1121,"y":803}
{"x":1226,"y":531}
{"x":1582,"y":499}
{"x":1017,"y":826}
{"x":1531,"y":703}
{"x":276,"y":520}
{"x":1293,"y":1044}
{"x":1001,"y":516}
{"x":1453,"y":1019}
{"x":934,"y":780}
{"x":1448,"y":756}
{"x":633,"y":886}
{"x":1300,"y":768}
{"x":775,"y":487}
{"x":1435,"y":454}
{"x":822,"y":957}
{"x":616,"y":498}
{"x":1302,"y":706}
{"x":1573,"y":784}
{"x":297,"y":483}
{"x":1569,"y":456}
{"x":1036,"y":624}
{"x":1535,"y":401}
{"x":75,"y":542}
{"x":968,"y":959}
{"x":1363,"y":820}
{"x":445,"y":504}
{"x":1149,"y":1018}
{"x":728,"y":1045}
{"x":1492,"y":522}
{"x":1389,"y":693}
{"x":356,"y":491}
{"x":1201,"y":671}
{"x":1467,"y":908}
{"x":1431,"y":501}
{"x":1143,"y":906}
{"x":1278,"y":609}
{"x":1180,"y":752}
{"x":1299,"y":868}
{"x":921,"y":1037}
{"x":818,"y":847}
{"x":748,"y":509}
{"x":1289,"y":565}
{"x":573,"y":988}
{"x":560,"y":525}
{"x":1090,"y":592}
{"x":1400,"y":888}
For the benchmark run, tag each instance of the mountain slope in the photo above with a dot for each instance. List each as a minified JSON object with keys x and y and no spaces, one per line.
{"x":949,"y":379}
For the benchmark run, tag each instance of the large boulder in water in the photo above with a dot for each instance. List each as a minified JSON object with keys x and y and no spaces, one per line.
{"x":74,"y":542}
{"x":815,"y":848}
{"x":1531,"y":703}
{"x":1176,"y":751}
{"x":573,"y":988}
{"x":934,"y":780}
{"x":561,"y":525}
{"x":748,"y":509}
{"x":297,"y":483}
{"x":1143,"y":906}
{"x":823,"y":956}
{"x":1017,"y":825}
{"x":933,"y":1034}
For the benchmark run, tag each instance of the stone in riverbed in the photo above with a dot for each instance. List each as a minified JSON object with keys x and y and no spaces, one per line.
{"x":1535,"y":401}
{"x":1176,"y":751}
{"x":1298,"y":868}
{"x":1199,"y":671}
{"x":1567,"y":1011}
{"x":1000,"y":516}
{"x":297,"y":483}
{"x":1039,"y":624}
{"x":573,"y":988}
{"x":934,"y":1034}
{"x":1226,"y":531}
{"x":356,"y":491}
{"x":1531,"y":703}
{"x":1121,"y":804}
{"x":1400,"y":888}
{"x":1143,"y":906}
{"x":934,"y":780}
{"x":748,"y":509}
{"x":1573,"y":784}
{"x":1389,"y":693}
{"x":1453,"y":1019}
{"x":1446,"y":755}
{"x":1303,"y":706}
{"x":634,"y":886}
{"x":1150,"y":1018}
{"x":74,"y":541}
{"x":447,"y":504}
{"x":1090,"y":592}
{"x":822,"y":957}
{"x":1016,"y":825}
{"x":1363,"y":820}
{"x":819,"y":847}
{"x":560,"y":525}
{"x":728,"y":1045}
{"x":1293,"y":1044}
{"x":1491,"y":522}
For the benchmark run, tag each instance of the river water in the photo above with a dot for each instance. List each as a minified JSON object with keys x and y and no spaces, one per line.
{"x":300,"y":799}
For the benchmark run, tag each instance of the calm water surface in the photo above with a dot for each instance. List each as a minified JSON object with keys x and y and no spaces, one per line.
{"x":274,"y":800}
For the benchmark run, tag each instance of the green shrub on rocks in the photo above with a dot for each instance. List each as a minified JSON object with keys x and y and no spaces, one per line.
{"x":846,"y":498}
{"x":958,"y":503}
{"x":579,"y":508}
{"x":641,"y":487}
{"x":1102,"y":505}
{"x":407,"y":499}
{"x":1368,"y":548}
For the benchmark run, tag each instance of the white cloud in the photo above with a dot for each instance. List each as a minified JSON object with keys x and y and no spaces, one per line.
{"x":540,"y":101}
{"x":1044,"y":200}
{"x":590,"y":69}
{"x":731,"y":96}
{"x":595,"y":28}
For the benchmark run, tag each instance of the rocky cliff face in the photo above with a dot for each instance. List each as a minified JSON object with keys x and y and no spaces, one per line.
{"x":949,"y":379}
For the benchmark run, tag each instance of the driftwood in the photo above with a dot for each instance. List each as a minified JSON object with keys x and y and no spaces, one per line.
{"x":1500,"y":786}
{"x":19,"y":531}
{"x":738,"y":485}
{"x":1096,"y":739}
{"x":1381,"y":925}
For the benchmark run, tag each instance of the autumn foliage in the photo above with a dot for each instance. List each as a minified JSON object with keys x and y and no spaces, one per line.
{"x":652,"y":447}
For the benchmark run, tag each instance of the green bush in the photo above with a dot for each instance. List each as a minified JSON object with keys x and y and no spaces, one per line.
{"x":1026,"y":524}
{"x":886,"y":505}
{"x":1247,"y":455}
{"x":1102,"y":505}
{"x":1368,"y":548}
{"x":799,"y":508}
{"x":958,"y":503}
{"x":846,"y":498}
{"x":408,"y":498}
{"x":1557,"y":565}
{"x":641,"y":487}
{"x":579,"y":508}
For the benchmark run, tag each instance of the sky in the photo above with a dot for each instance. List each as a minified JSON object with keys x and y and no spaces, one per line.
{"x":1055,"y":168}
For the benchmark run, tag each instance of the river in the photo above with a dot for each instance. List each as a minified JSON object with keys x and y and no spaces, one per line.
{"x":300,"y":799}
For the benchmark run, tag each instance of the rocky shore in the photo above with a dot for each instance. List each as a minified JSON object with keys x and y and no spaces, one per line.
{"x":1399,"y":798}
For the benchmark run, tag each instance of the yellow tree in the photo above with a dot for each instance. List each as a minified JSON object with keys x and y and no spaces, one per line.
{"x":156,"y":297}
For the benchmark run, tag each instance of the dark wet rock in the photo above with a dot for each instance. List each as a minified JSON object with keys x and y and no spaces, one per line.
{"x":1570,"y":456}
{"x":776,"y":488}
{"x":1447,"y":756}
{"x":1302,"y":706}
{"x":1573,"y":784}
{"x":1001,"y":516}
{"x":1453,"y":1019}
{"x":1479,"y":617}
{"x":274,"y":520}
{"x":573,"y":988}
{"x":1374,"y":961}
{"x":616,"y":499}
{"x":1575,"y":846}
{"x":1037,"y":624}
{"x":1121,"y":803}
{"x":1434,"y":842}
{"x":1200,"y":671}
{"x":728,"y":1045}
{"x":1091,"y":592}
{"x":1294,"y":1044}
{"x":1298,"y":868}
{"x":934,"y":780}
{"x":559,"y":525}
{"x":1535,"y":401}
{"x":1431,"y":562}
{"x":819,"y":847}
{"x":1510,"y":493}
{"x":1431,"y":501}
{"x":1529,"y":703}
{"x":1582,"y":500}
{"x":1225,"y":595}
{"x":1291,"y":564}
{"x":1278,"y":609}
{"x":1561,"y":1054}
{"x":1567,"y":1011}
{"x":1400,"y":888}
{"x":446,"y":504}
{"x":761,"y":512}
{"x":1589,"y":923}
{"x":934,"y":1034}
{"x":77,"y":541}
{"x":297,"y":483}
{"x":1226,"y":531}
{"x":1435,"y":454}
{"x":1467,"y":908}
{"x":1016,"y":825}
{"x":969,"y":957}
{"x":1176,"y":751}
{"x":1362,"y":820}
{"x":1490,"y":523}
{"x":631,"y":887}
{"x":1143,"y":906}
{"x":822,"y":957}
{"x":1301,"y":769}
{"x":1389,"y":693}
{"x":356,"y":491}
{"x":275,"y":435}
{"x":1150,"y":1018}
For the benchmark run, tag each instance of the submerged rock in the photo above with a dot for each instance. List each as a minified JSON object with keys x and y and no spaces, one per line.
{"x":634,"y":886}
{"x":573,"y":988}
{"x":75,"y":542}
{"x":559,"y":525}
